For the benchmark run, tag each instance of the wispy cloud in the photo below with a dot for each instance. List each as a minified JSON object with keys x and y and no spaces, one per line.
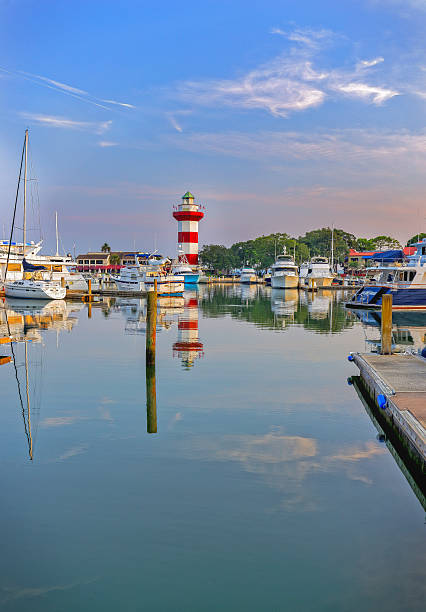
{"x":370,"y":63}
{"x":290,"y":82}
{"x":174,"y":123}
{"x":107,"y":143}
{"x":124,"y":104}
{"x":58,"y":84}
{"x":350,"y":145}
{"x":97,"y":127}
{"x":70,"y":90}
{"x":377,"y":95}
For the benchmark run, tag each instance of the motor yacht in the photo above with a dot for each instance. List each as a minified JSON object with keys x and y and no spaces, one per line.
{"x":284,"y":274}
{"x":406,"y":283}
{"x":320,"y":272}
{"x":142,"y":275}
{"x":248,"y":276}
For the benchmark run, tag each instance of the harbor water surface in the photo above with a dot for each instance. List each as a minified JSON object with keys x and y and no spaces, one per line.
{"x":265,"y":486}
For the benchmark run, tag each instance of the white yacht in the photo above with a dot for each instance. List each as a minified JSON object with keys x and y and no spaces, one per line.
{"x":141,"y":276}
{"x":35,"y":289}
{"x":319,"y":271}
{"x":284,"y":273}
{"x":248,"y":275}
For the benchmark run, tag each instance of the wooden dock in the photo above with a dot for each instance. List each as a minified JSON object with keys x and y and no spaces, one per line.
{"x":396,"y":384}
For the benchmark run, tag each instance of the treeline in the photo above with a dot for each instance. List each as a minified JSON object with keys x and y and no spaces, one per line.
{"x":260,"y":252}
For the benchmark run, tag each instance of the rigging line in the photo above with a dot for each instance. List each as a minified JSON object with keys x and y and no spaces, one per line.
{"x":14,"y":211}
{"x":28,"y":401}
{"x":19,"y":385}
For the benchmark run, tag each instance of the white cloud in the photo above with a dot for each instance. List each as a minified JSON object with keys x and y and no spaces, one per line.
{"x":125,"y":104}
{"x":107,"y":143}
{"x":174,"y":123}
{"x":376,"y":95}
{"x":69,"y":124}
{"x":290,"y":82}
{"x":58,"y":84}
{"x":370,"y":63}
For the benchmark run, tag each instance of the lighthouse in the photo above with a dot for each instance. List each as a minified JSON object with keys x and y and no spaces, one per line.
{"x":188,"y":214}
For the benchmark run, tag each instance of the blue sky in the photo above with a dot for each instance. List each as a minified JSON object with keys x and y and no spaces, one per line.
{"x":278,"y":116}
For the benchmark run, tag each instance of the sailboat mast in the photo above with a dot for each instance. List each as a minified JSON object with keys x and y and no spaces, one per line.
{"x":25,"y":193}
{"x":57,"y":242}
{"x":332,"y":247}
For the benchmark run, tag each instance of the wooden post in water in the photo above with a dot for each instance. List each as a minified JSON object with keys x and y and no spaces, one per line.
{"x":151,"y":325}
{"x":151,"y":400}
{"x":151,"y":330}
{"x":386,"y":324}
{"x":89,"y":310}
{"x":62,"y":281}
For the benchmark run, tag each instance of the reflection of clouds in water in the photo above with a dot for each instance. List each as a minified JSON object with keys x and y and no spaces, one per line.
{"x":14,"y":593}
{"x":175,"y":419}
{"x":283,"y":461}
{"x":62,"y":421}
{"x":72,"y":452}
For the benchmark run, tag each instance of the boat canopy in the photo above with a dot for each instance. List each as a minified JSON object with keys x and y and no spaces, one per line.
{"x":392,"y":255}
{"x":28,"y":267}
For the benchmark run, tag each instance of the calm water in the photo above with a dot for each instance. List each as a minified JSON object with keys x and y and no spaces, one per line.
{"x":264,"y":488}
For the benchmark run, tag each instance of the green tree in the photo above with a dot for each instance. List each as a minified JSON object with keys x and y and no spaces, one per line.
{"x":416,"y":238}
{"x":383,"y":243}
{"x":114,"y":259}
{"x":105,"y":248}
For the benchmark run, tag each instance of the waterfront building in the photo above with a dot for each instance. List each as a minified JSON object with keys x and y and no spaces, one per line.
{"x":188,"y":215}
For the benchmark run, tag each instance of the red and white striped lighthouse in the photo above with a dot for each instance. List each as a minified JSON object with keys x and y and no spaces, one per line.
{"x":188,"y":215}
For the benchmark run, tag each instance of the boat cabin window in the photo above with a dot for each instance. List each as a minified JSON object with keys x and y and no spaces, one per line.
{"x":407,"y":275}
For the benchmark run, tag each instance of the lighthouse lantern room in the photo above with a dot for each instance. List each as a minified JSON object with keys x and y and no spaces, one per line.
{"x":188,"y":214}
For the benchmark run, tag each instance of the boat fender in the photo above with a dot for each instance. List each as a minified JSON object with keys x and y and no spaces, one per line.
{"x":350,"y":381}
{"x":382,"y":401}
{"x":423,"y":353}
{"x":350,"y":357}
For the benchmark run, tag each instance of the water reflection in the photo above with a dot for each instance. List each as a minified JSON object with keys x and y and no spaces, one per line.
{"x":322,"y":312}
{"x":408,"y":330}
{"x":23,"y":322}
{"x":188,"y":346}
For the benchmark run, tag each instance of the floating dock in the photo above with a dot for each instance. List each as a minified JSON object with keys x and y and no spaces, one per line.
{"x":396,"y":385}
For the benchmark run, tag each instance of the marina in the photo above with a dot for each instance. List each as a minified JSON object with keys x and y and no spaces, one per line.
{"x":278,"y":468}
{"x":213,"y":307}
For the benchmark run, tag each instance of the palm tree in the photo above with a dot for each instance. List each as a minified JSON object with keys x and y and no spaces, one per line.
{"x":115,"y":259}
{"x":105,"y":248}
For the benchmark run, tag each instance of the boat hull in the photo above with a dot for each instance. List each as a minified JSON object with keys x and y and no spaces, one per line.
{"x":370,"y":296}
{"x":284,"y":281}
{"x":247,"y":279}
{"x":191,"y":279}
{"x":320,"y":281}
{"x":36,"y":291}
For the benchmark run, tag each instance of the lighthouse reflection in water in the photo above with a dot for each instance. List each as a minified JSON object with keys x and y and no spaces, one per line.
{"x":188,"y":346}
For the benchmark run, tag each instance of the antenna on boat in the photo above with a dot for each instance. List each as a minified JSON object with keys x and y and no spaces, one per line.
{"x":57,"y":240}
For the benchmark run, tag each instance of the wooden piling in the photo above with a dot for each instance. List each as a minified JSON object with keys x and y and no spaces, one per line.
{"x":89,"y":310}
{"x":151,"y":325}
{"x":151,"y":400}
{"x":62,"y":281}
{"x":89,"y":286}
{"x":386,"y":327}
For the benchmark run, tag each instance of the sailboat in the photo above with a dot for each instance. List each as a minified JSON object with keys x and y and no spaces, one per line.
{"x":34,"y":285}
